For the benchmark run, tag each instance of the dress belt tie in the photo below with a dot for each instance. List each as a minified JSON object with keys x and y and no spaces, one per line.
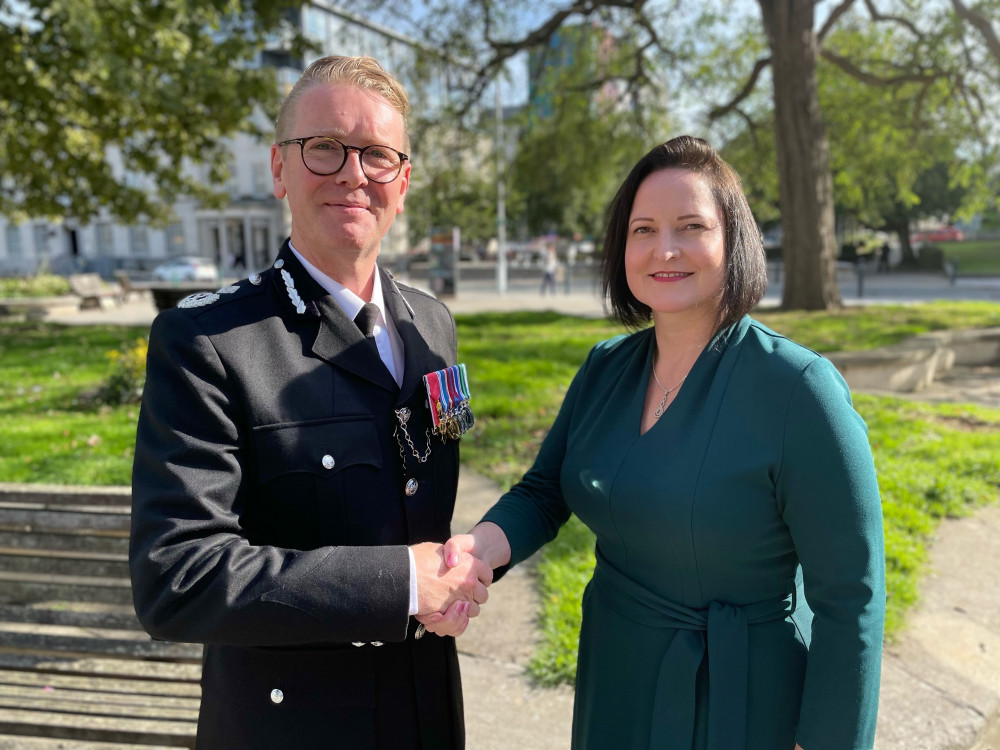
{"x":724,"y":627}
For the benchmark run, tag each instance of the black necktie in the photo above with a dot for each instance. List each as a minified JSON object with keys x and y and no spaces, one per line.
{"x":365,"y":319}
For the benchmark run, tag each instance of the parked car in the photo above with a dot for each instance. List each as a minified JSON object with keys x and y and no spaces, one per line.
{"x":941,"y":234}
{"x":186,"y":268}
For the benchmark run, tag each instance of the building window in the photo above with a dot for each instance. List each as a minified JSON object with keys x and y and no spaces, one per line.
{"x":315,"y":24}
{"x":233,"y":183}
{"x":13,"y":241}
{"x":174,"y":234}
{"x":139,"y":239}
{"x":105,"y":239}
{"x":261,"y":183}
{"x":41,"y":237}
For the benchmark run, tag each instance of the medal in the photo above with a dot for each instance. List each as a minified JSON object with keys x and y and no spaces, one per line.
{"x":448,"y":396}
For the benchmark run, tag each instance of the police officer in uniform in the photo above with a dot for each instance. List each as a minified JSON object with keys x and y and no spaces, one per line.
{"x":289,"y":491}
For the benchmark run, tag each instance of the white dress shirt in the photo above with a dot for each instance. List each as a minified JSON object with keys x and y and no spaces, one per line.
{"x":390,"y":350}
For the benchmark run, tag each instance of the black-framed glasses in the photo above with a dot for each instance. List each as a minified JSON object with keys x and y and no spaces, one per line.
{"x":324,"y":156}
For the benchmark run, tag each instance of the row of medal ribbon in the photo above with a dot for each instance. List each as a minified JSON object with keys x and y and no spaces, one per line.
{"x":448,"y":393}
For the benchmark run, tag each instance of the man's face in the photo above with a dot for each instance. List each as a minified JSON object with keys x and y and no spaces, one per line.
{"x":342,"y":217}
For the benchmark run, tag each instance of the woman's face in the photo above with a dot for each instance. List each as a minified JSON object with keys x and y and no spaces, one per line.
{"x":675,"y":248}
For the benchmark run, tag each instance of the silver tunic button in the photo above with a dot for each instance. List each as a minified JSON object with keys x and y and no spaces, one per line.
{"x":279,"y":263}
{"x":411,"y":487}
{"x":277,"y":696}
{"x":357,"y":644}
{"x":328,"y":462}
{"x":255,"y":279}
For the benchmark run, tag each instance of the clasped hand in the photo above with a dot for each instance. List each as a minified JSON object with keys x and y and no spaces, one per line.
{"x":451,"y":584}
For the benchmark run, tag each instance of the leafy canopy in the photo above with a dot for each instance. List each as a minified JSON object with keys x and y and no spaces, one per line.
{"x":111,"y":103}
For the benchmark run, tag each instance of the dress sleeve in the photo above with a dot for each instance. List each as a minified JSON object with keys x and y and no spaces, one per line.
{"x":829,"y":496}
{"x":195,"y":576}
{"x":534,"y":509}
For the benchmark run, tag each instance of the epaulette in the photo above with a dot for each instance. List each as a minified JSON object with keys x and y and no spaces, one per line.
{"x":204,"y":299}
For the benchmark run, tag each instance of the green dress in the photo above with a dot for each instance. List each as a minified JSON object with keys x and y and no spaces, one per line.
{"x":739,"y":595}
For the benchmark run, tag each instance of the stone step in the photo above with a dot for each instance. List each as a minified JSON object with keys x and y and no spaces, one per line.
{"x":81,"y":614}
{"x":64,"y":562}
{"x":97,"y":728}
{"x":64,"y":494}
{"x":34,"y":638}
{"x":112,"y":685}
{"x":49,"y":698}
{"x":102,"y":667}
{"x":47,"y":518}
{"x":109,"y":541}
{"x":25,"y":588}
{"x":10,"y":742}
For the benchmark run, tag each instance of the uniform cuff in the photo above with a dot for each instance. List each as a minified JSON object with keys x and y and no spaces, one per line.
{"x":414,"y":599}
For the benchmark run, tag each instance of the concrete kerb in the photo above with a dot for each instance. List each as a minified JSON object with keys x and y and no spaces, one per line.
{"x":915,"y":364}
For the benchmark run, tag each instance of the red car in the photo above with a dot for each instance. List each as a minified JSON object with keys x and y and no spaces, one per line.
{"x":942,"y":234}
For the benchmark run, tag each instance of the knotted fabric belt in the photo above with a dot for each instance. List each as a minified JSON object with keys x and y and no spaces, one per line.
{"x":724,"y":627}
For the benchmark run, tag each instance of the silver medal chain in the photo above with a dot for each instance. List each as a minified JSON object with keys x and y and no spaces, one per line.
{"x":403,"y":415}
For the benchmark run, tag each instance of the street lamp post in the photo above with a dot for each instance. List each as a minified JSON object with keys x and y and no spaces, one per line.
{"x":501,"y":197}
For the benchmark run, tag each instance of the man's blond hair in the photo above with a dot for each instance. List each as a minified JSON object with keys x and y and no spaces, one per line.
{"x":362,"y":72}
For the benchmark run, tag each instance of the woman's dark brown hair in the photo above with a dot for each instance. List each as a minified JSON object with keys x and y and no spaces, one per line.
{"x":746,"y":272}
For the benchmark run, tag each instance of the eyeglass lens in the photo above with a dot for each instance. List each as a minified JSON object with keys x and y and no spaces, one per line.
{"x":326,"y":156}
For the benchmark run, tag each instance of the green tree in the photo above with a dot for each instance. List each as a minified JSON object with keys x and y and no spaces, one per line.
{"x":897,"y":152}
{"x":453,"y":186}
{"x":934,"y":42}
{"x":576,"y":142}
{"x":111,"y":104}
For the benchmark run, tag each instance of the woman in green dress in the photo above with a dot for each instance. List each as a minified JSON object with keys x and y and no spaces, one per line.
{"x":739,"y":594}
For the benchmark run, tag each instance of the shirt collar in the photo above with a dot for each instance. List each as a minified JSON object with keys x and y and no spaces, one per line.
{"x":349,"y":302}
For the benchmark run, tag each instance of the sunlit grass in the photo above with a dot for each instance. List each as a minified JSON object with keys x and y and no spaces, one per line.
{"x":933,"y":460}
{"x":975,"y":257}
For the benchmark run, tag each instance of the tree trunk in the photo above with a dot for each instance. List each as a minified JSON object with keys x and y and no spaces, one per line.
{"x":902,"y":230}
{"x":806,"y":184}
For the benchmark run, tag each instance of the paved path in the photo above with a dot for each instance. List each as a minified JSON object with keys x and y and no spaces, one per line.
{"x":940,"y":679}
{"x":584,"y":299}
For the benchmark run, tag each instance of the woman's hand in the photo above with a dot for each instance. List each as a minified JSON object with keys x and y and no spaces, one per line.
{"x":486,"y":541}
{"x":453,"y":622}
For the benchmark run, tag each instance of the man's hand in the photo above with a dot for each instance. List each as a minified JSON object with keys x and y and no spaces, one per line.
{"x":439,"y":585}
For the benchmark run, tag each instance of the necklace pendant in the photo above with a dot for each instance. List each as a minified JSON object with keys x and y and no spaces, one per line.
{"x":663,"y":403}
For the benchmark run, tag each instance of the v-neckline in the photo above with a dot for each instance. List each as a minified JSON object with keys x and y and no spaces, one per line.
{"x":679,"y":399}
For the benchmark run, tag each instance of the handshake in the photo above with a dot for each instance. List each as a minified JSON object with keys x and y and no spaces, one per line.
{"x":452,"y":578}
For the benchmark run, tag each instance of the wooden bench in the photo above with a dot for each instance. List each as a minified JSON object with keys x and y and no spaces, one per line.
{"x":129,"y":289}
{"x":76,"y":669}
{"x":93,"y":290}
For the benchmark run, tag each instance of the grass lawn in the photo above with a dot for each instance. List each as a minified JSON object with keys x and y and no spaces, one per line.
{"x":933,"y":461}
{"x":975,"y":257}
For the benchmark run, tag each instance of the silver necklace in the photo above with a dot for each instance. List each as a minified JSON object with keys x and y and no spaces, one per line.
{"x":666,"y":393}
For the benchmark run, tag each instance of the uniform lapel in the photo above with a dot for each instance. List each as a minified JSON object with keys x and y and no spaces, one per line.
{"x":418,"y":358}
{"x":338,"y":340}
{"x":341,"y":343}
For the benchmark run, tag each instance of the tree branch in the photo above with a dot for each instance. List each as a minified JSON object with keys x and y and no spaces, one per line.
{"x":874,"y":80}
{"x":981,"y":24}
{"x":748,"y":88}
{"x":878,"y":16}
{"x":834,"y":15}
{"x":539,"y":37}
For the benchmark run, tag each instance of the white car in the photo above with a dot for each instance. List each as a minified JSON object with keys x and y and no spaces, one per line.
{"x":187,"y":268}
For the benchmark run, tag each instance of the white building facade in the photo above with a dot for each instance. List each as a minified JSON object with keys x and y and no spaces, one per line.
{"x":247,"y":232}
